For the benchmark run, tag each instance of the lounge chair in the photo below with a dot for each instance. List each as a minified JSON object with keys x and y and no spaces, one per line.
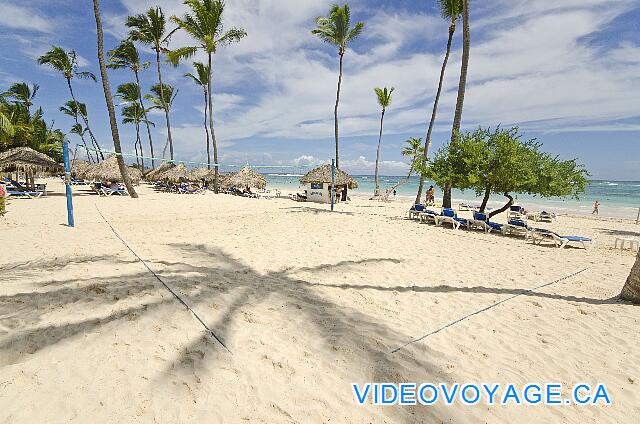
{"x":449,"y":215}
{"x":539,"y":235}
{"x":543,"y":216}
{"x":515,"y":212}
{"x":120,"y":191}
{"x":25,"y":194}
{"x":481,"y":221}
{"x":427,"y":216}
{"x":415,"y":211}
{"x":517,"y":227}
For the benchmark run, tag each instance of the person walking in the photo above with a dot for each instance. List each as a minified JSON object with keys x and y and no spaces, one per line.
{"x":596,"y":207}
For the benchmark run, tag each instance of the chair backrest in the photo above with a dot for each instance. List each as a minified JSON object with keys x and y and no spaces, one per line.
{"x":517,"y":223}
{"x":448,"y":212}
{"x":419,"y":207}
{"x":516,"y":208}
{"x":479,"y":216}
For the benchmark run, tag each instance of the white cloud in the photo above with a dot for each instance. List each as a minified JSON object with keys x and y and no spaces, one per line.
{"x":23,"y":18}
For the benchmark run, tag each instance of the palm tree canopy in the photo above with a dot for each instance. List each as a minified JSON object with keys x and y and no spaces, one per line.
{"x":201,"y":75}
{"x":204,"y":23}
{"x":384,"y":96}
{"x":134,"y":114}
{"x":65,"y":62}
{"x":450,"y":8}
{"x":129,"y":92}
{"x":156,"y":97}
{"x":21,"y":92}
{"x":72,"y":108}
{"x":149,"y":28}
{"x":125,"y":56}
{"x":336,"y":28}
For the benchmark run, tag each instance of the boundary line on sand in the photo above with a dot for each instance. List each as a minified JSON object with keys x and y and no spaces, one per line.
{"x":486,"y":308}
{"x":195,"y":314}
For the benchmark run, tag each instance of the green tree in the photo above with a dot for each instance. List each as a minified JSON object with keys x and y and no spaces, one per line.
{"x":204,"y":22}
{"x":150,"y":29}
{"x":462,"y":84}
{"x":107,"y":96}
{"x":75,"y":109}
{"x":500,"y":162}
{"x":336,"y":29}
{"x":21,"y":92}
{"x":66,"y":62}
{"x":162,"y":99}
{"x":201,"y":78}
{"x":133,"y":113}
{"x":413,"y":149}
{"x":126,"y":56}
{"x":384,"y":100}
{"x":451,"y":10}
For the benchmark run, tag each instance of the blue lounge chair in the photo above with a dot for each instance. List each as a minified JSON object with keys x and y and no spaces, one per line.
{"x":538,"y":235}
{"x":450,"y":216}
{"x":481,"y":221}
{"x":428,"y":215}
{"x":517,"y":227}
{"x":415,"y":210}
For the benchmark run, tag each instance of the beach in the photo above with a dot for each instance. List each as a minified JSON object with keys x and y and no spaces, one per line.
{"x":303,"y":302}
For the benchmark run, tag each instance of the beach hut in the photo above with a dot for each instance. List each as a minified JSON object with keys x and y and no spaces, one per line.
{"x":245,"y":178}
{"x":108,"y":170}
{"x":79,"y":167}
{"x":318,"y":184}
{"x":176,"y":174}
{"x":202,"y":174}
{"x":28,"y":161}
{"x":154,"y":175}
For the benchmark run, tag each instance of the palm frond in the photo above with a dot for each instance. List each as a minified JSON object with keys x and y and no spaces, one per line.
{"x":234,"y":35}
{"x":175,"y":56}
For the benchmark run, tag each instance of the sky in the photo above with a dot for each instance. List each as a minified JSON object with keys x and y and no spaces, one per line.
{"x":566,"y":72}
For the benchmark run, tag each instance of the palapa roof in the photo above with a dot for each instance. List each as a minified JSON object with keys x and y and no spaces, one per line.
{"x":154,"y":174}
{"x":202,"y":174}
{"x":108,"y":170}
{"x":175,"y":174}
{"x":246,"y":177}
{"x":26,"y":159}
{"x":79,"y":167}
{"x":322,"y":174}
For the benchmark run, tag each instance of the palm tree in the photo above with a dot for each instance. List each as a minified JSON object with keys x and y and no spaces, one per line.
{"x":205,"y":24}
{"x":66,"y":62}
{"x":107,"y":96}
{"x":150,"y":29}
{"x":6,"y":127}
{"x":631,"y":289}
{"x":75,"y":109}
{"x":449,"y":9}
{"x":457,"y":118}
{"x":384,"y":100}
{"x":134,"y":112}
{"x":22,"y":93}
{"x":414,"y":150}
{"x":201,"y":79}
{"x":336,"y":29}
{"x":162,"y":99}
{"x":126,"y":56}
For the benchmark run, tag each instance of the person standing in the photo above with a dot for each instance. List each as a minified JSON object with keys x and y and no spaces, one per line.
{"x":430,"y":197}
{"x":596,"y":207}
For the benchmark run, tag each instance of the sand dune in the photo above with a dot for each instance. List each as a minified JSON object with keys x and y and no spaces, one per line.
{"x":307,"y":302}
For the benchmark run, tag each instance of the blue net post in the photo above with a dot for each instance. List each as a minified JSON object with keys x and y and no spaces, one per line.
{"x":333,"y":178}
{"x":67,"y":182}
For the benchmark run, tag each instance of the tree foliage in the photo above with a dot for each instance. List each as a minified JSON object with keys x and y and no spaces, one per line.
{"x":501,"y":162}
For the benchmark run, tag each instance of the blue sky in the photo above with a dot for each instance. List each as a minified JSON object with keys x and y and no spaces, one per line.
{"x":568,"y":73}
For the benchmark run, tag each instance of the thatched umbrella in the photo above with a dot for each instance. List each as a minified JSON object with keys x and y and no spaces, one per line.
{"x":27,"y":160}
{"x":108,"y":170}
{"x":155,"y":174}
{"x":79,"y":167}
{"x":202,"y":174}
{"x":176,"y":174}
{"x":322,"y":174}
{"x":246,"y":177}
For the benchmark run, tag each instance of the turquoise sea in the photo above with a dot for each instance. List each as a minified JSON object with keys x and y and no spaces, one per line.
{"x":620,"y":199}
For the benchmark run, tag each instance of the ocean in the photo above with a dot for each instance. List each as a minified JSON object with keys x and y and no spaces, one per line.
{"x":618,"y":199}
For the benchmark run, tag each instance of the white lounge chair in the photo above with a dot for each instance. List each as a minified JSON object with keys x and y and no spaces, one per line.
{"x":538,"y":236}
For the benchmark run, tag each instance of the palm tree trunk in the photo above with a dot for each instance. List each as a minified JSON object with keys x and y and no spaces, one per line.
{"x":146,"y":121}
{"x":427,"y":142}
{"x":206,"y":129}
{"x":631,"y":289}
{"x":75,"y":117}
{"x":135,"y":146}
{"x":377,"y":191}
{"x":86,"y":123}
{"x":166,"y":108}
{"x":457,"y":118}
{"x":335,"y":112}
{"x":213,"y":134}
{"x":139,"y":141}
{"x":93,"y":138}
{"x":107,"y":96}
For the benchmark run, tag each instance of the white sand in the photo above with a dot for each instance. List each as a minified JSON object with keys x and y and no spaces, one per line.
{"x":307,"y":301}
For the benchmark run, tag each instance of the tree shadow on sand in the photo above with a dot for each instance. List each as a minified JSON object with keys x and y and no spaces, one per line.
{"x":345,"y":332}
